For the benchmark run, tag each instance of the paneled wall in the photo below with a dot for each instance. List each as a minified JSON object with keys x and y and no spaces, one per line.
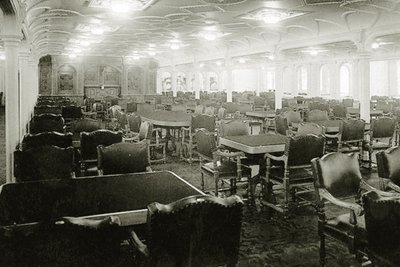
{"x":96,"y":77}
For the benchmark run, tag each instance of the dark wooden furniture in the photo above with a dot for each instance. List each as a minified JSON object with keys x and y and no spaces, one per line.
{"x":84,"y":125}
{"x":43,"y":163}
{"x":233,"y":128}
{"x":122,"y":158}
{"x":46,"y":138}
{"x":47,"y":109}
{"x":281,"y":125}
{"x":305,"y":128}
{"x":388,"y":162}
{"x":89,"y":143}
{"x":291,"y":172}
{"x":317,"y":115}
{"x":47,"y":123}
{"x":194,"y":231}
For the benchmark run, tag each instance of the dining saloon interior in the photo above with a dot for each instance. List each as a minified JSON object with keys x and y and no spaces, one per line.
{"x":200,"y":133}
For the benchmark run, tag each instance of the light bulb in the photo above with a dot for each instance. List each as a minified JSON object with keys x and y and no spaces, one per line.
{"x":375,"y":45}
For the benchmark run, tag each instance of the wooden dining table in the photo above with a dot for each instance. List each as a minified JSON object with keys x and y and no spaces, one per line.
{"x":331,"y":126}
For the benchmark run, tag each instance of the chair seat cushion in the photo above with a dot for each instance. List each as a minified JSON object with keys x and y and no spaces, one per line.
{"x":300,"y":175}
{"x":228,"y":168}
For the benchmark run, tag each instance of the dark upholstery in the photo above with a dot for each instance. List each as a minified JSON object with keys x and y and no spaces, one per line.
{"x":195,"y":231}
{"x":134,"y":122}
{"x":351,"y":130}
{"x":234,"y":128}
{"x":71,"y":112}
{"x":389,"y":164}
{"x":339,"y":111}
{"x":300,"y":150}
{"x":46,"y":123}
{"x":338,"y":173}
{"x":203,"y":121}
{"x":281,"y":125}
{"x":317,"y":115}
{"x":206,"y":143}
{"x":43,"y":163}
{"x":46,"y":138}
{"x":131,"y":107}
{"x":85,"y":125}
{"x":47,"y":109}
{"x":292,"y":117}
{"x":90,"y":141}
{"x":382,"y":128}
{"x":123,"y":158}
{"x":309,"y":128}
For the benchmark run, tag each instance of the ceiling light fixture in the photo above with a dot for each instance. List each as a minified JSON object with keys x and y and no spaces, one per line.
{"x":242,"y":60}
{"x":201,"y":65}
{"x":314,"y":52}
{"x":97,"y":30}
{"x":77,"y":50}
{"x":272,"y":15}
{"x":219,"y":63}
{"x":85,"y":43}
{"x":2,"y":56}
{"x":151,"y":53}
{"x":121,"y":7}
{"x":271,"y":57}
{"x":375,"y":45}
{"x":175,"y":46}
{"x":72,"y":55}
{"x":272,"y":18}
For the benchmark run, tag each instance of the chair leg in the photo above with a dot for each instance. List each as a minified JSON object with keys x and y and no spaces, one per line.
{"x":286,"y":188}
{"x":165,"y":153}
{"x":202,"y":181}
{"x":216,"y":179}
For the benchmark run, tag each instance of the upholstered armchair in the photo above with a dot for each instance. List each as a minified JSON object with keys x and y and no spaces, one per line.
{"x":382,"y":220}
{"x":198,"y":121}
{"x":337,"y":181}
{"x":293,"y":117}
{"x":122,"y":158}
{"x":88,"y":148}
{"x":317,"y":115}
{"x":380,"y":137}
{"x":134,"y":121}
{"x":44,"y":163}
{"x":281,"y":126}
{"x":388,"y":162}
{"x":223,"y":166}
{"x":291,"y":172}
{"x":47,"y":109}
{"x":84,"y":125}
{"x":305,"y":128}
{"x":199,"y":109}
{"x":339,"y":112}
{"x":70,"y":113}
{"x":193,"y":231}
{"x":47,"y":123}
{"x":46,"y":138}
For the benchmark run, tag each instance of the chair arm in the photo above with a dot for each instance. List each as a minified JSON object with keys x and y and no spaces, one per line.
{"x":227,"y":154}
{"x":347,"y":205}
{"x":280,"y":158}
{"x":138,"y":244}
{"x":379,"y":192}
{"x":394,"y":186}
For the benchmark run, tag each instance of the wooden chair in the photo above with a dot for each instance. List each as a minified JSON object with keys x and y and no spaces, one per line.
{"x":210,"y":110}
{"x":193,"y":231}
{"x":309,"y":128}
{"x":337,"y":180}
{"x":134,"y":122}
{"x":388,"y":162}
{"x":233,"y":128}
{"x":44,"y":163}
{"x":84,"y":125}
{"x":317,"y":115}
{"x":339,"y":112}
{"x":47,"y":123}
{"x":380,"y":138}
{"x":198,"y":121}
{"x":291,"y":172}
{"x":122,"y":158}
{"x":70,"y":113}
{"x":221,"y":114}
{"x":89,"y":143}
{"x":382,"y":219}
{"x":47,"y":109}
{"x":292,"y":117}
{"x":281,"y":126}
{"x":31,"y":141}
{"x":199,"y":109}
{"x":221,"y":165}
{"x":131,"y":107}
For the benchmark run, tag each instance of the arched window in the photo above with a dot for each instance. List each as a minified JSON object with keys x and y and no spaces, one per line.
{"x":302,"y":79}
{"x":345,"y":80}
{"x":324,"y":80}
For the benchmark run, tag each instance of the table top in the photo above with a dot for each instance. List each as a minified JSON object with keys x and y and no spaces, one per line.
{"x":166,"y":118}
{"x":261,"y":114}
{"x":255,"y":144}
{"x":126,"y":196}
{"x":357,"y":111}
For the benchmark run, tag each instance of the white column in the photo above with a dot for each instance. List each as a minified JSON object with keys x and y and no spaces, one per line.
{"x":188,"y":76}
{"x":173,"y":82}
{"x":364,"y":85}
{"x":392,"y":72}
{"x":355,"y":92}
{"x":24,"y":89}
{"x":159,"y":88}
{"x":260,"y":79}
{"x":278,"y":85}
{"x":11,"y":44}
{"x":313,"y":79}
{"x":334,"y":80}
{"x":197,"y":84}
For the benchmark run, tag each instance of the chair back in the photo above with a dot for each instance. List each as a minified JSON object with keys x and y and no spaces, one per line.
{"x":131,"y":107}
{"x":348,"y":103}
{"x":339,"y":111}
{"x":300,"y":150}
{"x":114,"y":109}
{"x":122,"y":158}
{"x":234,"y":128}
{"x":203,"y":121}
{"x":43,"y":102}
{"x":47,"y":109}
{"x":292,"y":117}
{"x":146,"y":130}
{"x":134,"y":122}
{"x":382,"y":128}
{"x":338,"y":173}
{"x":71,"y":112}
{"x":90,"y":141}
{"x":351,"y":130}
{"x":317,"y":115}
{"x":382,"y":220}
{"x":85,"y":125}
{"x":199,"y":109}
{"x":47,"y":123}
{"x":121,"y":119}
{"x":206,"y":143}
{"x":195,"y":231}
{"x":210,"y":110}
{"x":43,"y":163}
{"x":46,"y":139}
{"x":221,"y":113}
{"x":281,"y":125}
{"x":309,"y":128}
{"x":389,"y":164}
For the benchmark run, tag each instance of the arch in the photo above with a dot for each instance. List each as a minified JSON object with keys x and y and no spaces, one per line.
{"x":302,"y":79}
{"x":181,"y":82}
{"x":324,"y":80}
{"x":345,"y":80}
{"x":66,"y":78}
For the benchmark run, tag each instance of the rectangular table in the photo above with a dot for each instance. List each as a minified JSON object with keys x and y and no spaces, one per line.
{"x":125,"y":196}
{"x":261,"y":114}
{"x":255,"y":144}
{"x":332,"y":126}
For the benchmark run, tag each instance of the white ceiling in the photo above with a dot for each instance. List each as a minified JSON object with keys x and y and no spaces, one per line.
{"x":57,"y":26}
